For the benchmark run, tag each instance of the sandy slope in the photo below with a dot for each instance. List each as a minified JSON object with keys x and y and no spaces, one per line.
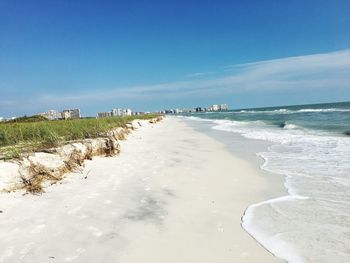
{"x":172,"y":195}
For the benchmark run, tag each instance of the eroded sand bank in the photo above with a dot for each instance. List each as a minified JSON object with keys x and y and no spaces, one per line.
{"x":172,"y":195}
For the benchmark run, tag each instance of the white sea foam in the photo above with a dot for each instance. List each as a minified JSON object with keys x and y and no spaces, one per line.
{"x":193,"y":118}
{"x":274,"y":243}
{"x":287,"y":111}
{"x":324,"y":110}
{"x":312,"y":223}
{"x":291,"y":126}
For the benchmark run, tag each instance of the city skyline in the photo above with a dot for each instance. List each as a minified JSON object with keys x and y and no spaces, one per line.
{"x":152,"y":55}
{"x":54,"y":114}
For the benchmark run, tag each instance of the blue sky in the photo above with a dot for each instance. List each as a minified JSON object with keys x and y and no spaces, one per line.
{"x":149,"y":55}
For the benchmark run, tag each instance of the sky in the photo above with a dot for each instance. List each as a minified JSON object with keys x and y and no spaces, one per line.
{"x":150,"y":55}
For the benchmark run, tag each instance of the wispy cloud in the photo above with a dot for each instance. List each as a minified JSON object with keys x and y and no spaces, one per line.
{"x":199,"y":74}
{"x":302,"y":73}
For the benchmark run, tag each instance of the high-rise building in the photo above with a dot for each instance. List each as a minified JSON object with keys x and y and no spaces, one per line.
{"x":121,"y":112}
{"x":223,"y":107}
{"x":53,"y":114}
{"x":50,"y":114}
{"x":128,"y":112}
{"x":117,"y":112}
{"x":214,"y":107}
{"x":104,"y":114}
{"x":71,"y":114}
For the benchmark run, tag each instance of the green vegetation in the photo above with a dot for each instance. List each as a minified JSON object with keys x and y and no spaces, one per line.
{"x":34,"y":118}
{"x":17,"y":137}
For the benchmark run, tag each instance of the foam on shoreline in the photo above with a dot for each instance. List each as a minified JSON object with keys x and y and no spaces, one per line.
{"x":274,"y":244}
{"x":311,"y":222}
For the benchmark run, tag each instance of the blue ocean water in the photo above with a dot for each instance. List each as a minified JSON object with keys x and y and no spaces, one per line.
{"x":310,"y":146}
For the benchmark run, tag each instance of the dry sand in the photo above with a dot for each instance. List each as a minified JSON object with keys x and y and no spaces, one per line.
{"x":172,"y":195}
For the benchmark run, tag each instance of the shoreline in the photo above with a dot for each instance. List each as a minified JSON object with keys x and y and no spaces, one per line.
{"x":173,"y":194}
{"x":247,"y":150}
{"x":310,"y":212}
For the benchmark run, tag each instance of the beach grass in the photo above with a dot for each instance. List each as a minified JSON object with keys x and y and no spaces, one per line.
{"x":34,"y":134}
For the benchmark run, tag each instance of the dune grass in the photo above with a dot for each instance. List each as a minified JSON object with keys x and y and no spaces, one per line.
{"x":18,"y":137}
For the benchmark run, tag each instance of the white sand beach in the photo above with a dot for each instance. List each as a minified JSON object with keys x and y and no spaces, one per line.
{"x":172,"y":195}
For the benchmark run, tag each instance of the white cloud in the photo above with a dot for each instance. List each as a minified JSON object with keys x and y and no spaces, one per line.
{"x":302,"y":73}
{"x":199,"y":74}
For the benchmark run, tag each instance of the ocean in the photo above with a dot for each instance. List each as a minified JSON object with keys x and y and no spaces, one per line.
{"x":310,"y":146}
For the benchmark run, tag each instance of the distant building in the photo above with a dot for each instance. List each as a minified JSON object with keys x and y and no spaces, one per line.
{"x":51,"y":114}
{"x":128,"y":112}
{"x":71,"y":114}
{"x":171,"y":111}
{"x":121,"y":112}
{"x":223,"y":107}
{"x":117,"y":112}
{"x":65,"y":115}
{"x":54,"y":114}
{"x":1,"y":119}
{"x":200,"y":109}
{"x":104,"y":114}
{"x":188,"y":110}
{"x":214,"y":107}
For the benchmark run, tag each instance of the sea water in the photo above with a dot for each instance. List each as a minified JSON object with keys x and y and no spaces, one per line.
{"x":310,"y":146}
